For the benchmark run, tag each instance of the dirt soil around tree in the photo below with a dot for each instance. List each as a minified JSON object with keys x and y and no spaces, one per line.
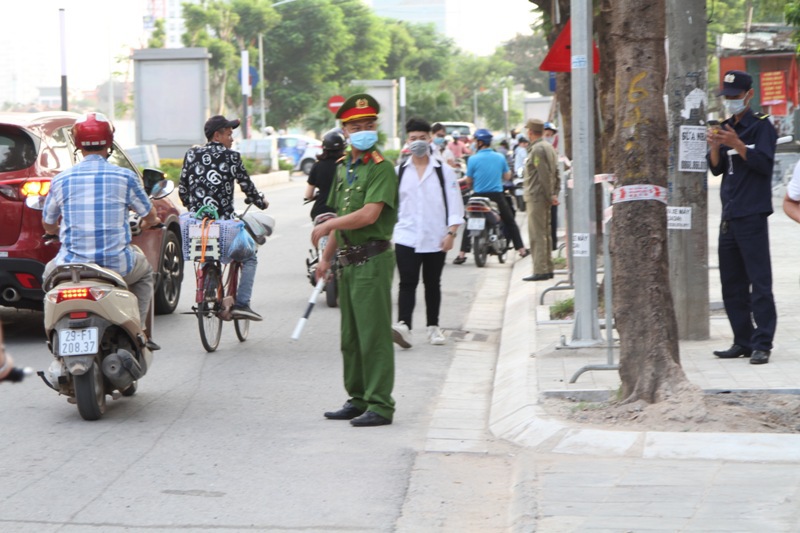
{"x":734,"y":412}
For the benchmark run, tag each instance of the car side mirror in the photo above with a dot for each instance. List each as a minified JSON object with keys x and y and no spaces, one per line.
{"x":151,"y":177}
{"x":162,"y":189}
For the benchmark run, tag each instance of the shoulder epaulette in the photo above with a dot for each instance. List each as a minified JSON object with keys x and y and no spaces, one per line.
{"x":377,"y":157}
{"x":761,"y":116}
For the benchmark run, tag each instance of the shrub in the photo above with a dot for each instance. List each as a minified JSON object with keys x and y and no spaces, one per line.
{"x":172,"y":168}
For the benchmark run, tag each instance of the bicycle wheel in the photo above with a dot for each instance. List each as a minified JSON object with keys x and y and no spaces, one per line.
{"x":241,"y":325}
{"x":207,"y":318}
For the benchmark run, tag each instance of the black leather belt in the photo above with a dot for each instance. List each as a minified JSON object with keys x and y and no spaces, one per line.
{"x":360,"y":254}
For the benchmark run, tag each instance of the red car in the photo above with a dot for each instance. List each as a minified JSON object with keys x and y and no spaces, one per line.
{"x":34,"y":148}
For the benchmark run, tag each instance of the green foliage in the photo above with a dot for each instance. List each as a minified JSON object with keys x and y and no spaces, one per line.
{"x":562,"y":309}
{"x":391,"y":155}
{"x":159,"y":34}
{"x":172,"y":168}
{"x":285,"y":165}
{"x":253,"y":166}
{"x":314,"y":49}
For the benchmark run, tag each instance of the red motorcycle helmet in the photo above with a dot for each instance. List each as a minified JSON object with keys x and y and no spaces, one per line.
{"x":93,"y":131}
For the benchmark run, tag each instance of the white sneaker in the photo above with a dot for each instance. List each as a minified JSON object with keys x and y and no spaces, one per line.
{"x":401,"y":334}
{"x":436,"y":336}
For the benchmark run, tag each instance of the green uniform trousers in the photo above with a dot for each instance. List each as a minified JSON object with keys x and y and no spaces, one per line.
{"x":540,"y":234}
{"x":365,"y":299}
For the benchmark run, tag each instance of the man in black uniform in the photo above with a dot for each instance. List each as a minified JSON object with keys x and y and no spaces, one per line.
{"x":742,"y":148}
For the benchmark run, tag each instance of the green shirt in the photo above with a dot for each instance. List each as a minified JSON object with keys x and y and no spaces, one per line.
{"x":373,"y":181}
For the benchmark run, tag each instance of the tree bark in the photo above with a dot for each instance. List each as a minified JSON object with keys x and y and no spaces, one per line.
{"x":643,"y":308}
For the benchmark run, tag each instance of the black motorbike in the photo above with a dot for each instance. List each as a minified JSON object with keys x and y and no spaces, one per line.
{"x":486,"y":230}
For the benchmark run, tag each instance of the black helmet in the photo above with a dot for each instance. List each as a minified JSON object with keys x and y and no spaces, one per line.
{"x":333,"y":141}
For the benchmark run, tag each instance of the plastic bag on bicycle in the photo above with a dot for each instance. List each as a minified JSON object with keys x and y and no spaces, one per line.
{"x":243,"y":246}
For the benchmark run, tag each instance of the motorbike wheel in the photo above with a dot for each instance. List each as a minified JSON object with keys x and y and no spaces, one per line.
{"x":90,"y":394}
{"x":168,"y":290}
{"x":479,"y":245}
{"x":242,"y":327}
{"x":208,"y":320}
{"x":501,"y":255}
{"x":332,"y":293}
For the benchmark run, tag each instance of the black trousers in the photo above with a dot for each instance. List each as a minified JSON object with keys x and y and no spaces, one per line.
{"x":508,"y":219}
{"x":746,"y":274}
{"x":408,"y":265}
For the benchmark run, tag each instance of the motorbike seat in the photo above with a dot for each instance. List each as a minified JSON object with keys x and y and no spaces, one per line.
{"x":75,"y":272}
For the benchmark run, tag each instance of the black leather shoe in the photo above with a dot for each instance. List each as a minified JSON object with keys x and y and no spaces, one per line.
{"x":759,"y":357}
{"x":370,"y":418}
{"x":733,"y":352}
{"x":537,"y":277}
{"x":347,"y":412}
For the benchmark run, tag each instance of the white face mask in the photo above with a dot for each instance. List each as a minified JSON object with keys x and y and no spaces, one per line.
{"x":734,"y":107}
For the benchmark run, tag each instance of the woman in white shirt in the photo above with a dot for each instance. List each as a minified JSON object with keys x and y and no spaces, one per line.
{"x":429,"y":214}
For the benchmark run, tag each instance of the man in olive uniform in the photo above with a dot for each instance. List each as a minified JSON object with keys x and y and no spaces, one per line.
{"x":541,"y":193}
{"x":364,"y":194}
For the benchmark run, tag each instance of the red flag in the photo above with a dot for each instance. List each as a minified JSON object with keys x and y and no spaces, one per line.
{"x":559,"y":58}
{"x":794,"y":85}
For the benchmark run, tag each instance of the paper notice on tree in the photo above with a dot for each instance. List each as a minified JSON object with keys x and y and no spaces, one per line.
{"x":692,"y":149}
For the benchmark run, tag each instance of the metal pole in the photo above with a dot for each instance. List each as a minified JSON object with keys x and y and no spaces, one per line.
{"x":245,"y":89}
{"x":402,"y":103}
{"x":505,"y":107}
{"x":62,"y":17}
{"x":263,"y":81}
{"x":586,"y":330}
{"x":688,"y":190}
{"x":475,"y":106}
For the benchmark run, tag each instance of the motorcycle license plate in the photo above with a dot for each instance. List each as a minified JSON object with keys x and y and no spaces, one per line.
{"x":518,"y":192}
{"x":77,"y":341}
{"x":476,"y":223}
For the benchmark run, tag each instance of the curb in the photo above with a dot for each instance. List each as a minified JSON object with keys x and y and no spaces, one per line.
{"x":515,"y":414}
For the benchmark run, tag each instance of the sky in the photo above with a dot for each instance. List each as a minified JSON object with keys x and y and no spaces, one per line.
{"x":98,"y":31}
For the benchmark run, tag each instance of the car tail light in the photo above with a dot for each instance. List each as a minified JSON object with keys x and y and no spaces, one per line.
{"x":28,"y":281}
{"x":10,"y":191}
{"x":35,"y":188}
{"x":19,"y":190}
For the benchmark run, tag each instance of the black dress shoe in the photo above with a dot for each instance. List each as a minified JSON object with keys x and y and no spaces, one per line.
{"x":537,"y":277}
{"x":733,"y":352}
{"x":759,"y":357}
{"x":370,"y":418}
{"x":347,"y":412}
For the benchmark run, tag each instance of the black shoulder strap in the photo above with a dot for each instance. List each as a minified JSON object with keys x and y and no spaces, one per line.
{"x":440,"y":174}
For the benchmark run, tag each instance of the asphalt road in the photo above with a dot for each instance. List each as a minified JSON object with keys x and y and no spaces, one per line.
{"x":233,"y":440}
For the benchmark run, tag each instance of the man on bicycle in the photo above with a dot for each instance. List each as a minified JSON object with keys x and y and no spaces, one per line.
{"x":207,"y":180}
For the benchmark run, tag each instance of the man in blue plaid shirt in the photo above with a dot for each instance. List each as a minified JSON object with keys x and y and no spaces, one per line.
{"x":92,"y":200}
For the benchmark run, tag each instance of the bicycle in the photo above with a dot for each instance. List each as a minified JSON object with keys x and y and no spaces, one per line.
{"x":213,"y":298}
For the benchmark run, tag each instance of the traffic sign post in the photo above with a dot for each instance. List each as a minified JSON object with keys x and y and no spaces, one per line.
{"x":334,"y":103}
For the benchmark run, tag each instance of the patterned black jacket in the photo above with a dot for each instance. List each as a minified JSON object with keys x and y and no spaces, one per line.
{"x":207,"y":179}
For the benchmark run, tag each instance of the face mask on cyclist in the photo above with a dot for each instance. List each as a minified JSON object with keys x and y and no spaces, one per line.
{"x":438,"y":140}
{"x":363,"y":140}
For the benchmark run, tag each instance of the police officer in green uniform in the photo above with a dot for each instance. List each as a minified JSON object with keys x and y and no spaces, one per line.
{"x":364,"y":194}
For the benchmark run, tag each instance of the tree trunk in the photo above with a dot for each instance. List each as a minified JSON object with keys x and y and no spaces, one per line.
{"x":643,"y":308}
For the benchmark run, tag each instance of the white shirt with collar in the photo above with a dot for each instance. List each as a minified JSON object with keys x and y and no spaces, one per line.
{"x":421,"y":215}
